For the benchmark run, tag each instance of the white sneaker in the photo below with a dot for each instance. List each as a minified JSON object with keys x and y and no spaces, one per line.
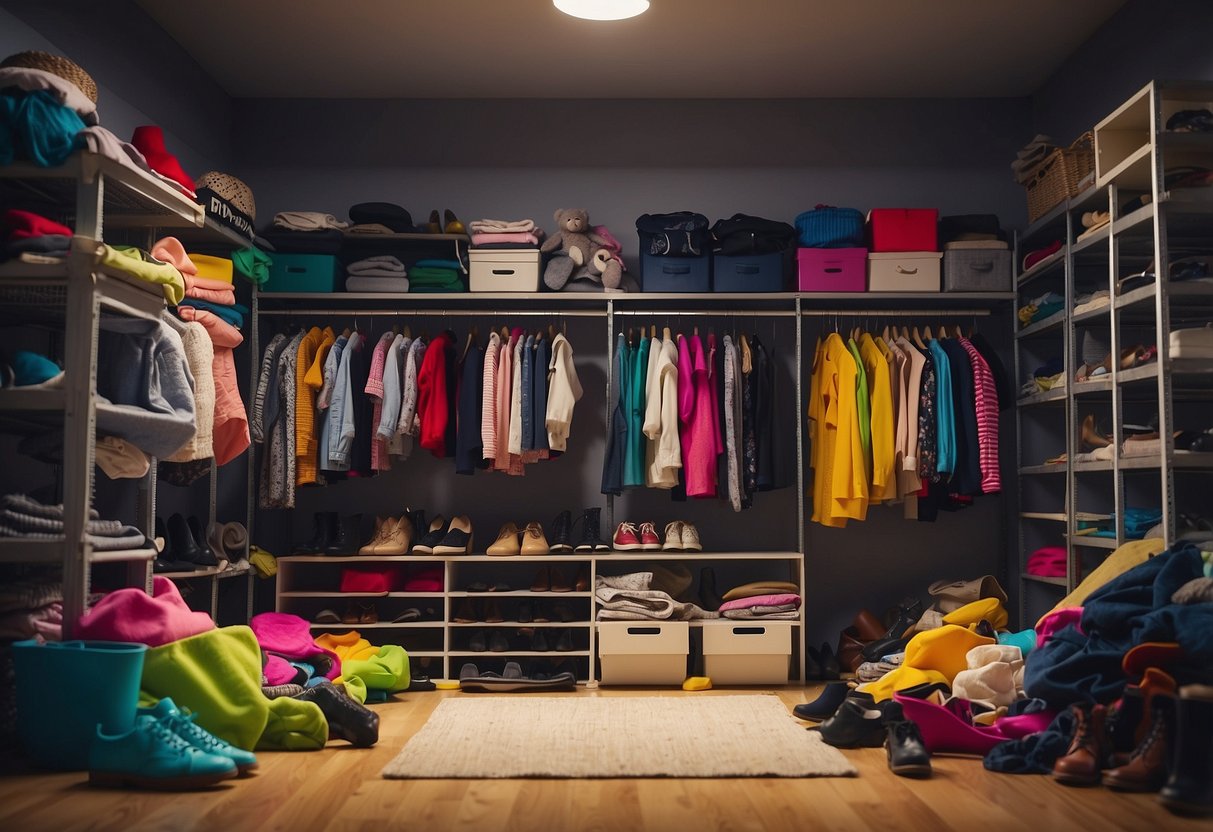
{"x":690,"y":538}
{"x":673,"y":537}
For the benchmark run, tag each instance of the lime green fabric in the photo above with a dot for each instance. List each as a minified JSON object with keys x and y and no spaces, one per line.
{"x":217,"y":675}
{"x":138,"y":263}
{"x":354,"y":686}
{"x":389,"y":670}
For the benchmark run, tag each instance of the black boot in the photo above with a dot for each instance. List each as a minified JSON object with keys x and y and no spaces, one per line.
{"x":1124,"y":721}
{"x":1189,"y":788}
{"x":908,"y":755}
{"x":323,"y":529}
{"x":185,"y":548}
{"x":348,"y":536}
{"x":199,"y":536}
{"x":559,"y":533}
{"x":591,"y":536}
{"x":166,"y":561}
{"x":347,"y":719}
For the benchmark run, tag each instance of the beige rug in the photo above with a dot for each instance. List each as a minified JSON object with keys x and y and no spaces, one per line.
{"x":485,"y":737}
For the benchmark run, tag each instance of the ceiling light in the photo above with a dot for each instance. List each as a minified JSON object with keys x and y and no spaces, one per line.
{"x":602,"y":9}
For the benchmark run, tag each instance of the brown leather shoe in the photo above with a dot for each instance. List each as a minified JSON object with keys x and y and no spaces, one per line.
{"x":582,"y":582}
{"x":868,"y":626}
{"x":1146,"y":770}
{"x":1082,"y":763}
{"x":559,"y":582}
{"x":850,"y":649}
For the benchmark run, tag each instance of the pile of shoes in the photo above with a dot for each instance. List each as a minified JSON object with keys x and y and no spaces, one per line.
{"x":165,"y":749}
{"x":531,"y":639}
{"x":183,"y":546}
{"x":680,"y":536}
{"x":851,"y":719}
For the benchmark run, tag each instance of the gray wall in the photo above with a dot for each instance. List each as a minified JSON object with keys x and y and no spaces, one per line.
{"x":143,"y":76}
{"x":1143,"y":41}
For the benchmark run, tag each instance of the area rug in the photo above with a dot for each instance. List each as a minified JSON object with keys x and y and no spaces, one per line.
{"x":501,"y":737}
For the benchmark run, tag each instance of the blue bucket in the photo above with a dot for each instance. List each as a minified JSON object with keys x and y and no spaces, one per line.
{"x":66,"y":689}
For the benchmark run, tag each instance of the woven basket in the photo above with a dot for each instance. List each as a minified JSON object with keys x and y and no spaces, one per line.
{"x":1060,"y":176}
{"x":55,"y":65}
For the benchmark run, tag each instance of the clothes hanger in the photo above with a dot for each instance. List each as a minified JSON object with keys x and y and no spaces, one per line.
{"x":885,"y":334}
{"x":917,"y":338}
{"x":926,"y":332}
{"x":959,"y":333}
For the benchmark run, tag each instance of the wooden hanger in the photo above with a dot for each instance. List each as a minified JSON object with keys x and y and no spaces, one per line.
{"x":959,"y":333}
{"x":917,"y":338}
{"x":885,"y":334}
{"x":468,"y":344}
{"x":926,"y":332}
{"x":346,"y":332}
{"x":696,"y":330}
{"x":652,"y":330}
{"x":408,"y":332}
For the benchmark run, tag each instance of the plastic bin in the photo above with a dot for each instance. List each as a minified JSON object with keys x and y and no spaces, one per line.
{"x":749,"y":273}
{"x":747,"y":652}
{"x":904,"y":229}
{"x":503,"y":270}
{"x":303,"y":273}
{"x":833,"y":269}
{"x":977,"y":270}
{"x":66,"y":689}
{"x":675,"y":274}
{"x":914,"y":271}
{"x":643,"y":652}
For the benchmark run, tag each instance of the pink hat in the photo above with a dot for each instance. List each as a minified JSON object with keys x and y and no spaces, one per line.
{"x":170,"y":250}
{"x":132,"y":615}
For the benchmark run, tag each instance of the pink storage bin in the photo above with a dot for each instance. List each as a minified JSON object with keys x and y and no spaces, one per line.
{"x":833,"y":269}
{"x":904,"y":229}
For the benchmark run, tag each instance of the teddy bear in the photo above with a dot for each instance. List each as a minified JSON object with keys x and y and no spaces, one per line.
{"x":583,"y":251}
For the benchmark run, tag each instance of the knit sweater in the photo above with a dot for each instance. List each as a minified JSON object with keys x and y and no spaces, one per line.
{"x":374,"y":389}
{"x":488,"y":398}
{"x":664,"y":451}
{"x":305,"y":406}
{"x":200,"y":356}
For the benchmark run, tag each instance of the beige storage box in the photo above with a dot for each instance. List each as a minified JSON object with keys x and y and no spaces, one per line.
{"x":904,"y":271}
{"x":643,"y":652}
{"x":504,"y":270}
{"x":747,"y":652}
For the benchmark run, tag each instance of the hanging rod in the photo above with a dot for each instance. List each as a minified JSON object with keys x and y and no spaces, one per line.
{"x":701,"y":313}
{"x":431,"y":313}
{"x":914,"y":313}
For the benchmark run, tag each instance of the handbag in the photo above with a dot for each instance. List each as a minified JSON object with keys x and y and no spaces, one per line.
{"x":828,"y":227}
{"x":680,"y":234}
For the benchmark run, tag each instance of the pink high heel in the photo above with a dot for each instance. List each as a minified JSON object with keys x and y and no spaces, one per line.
{"x":945,"y":733}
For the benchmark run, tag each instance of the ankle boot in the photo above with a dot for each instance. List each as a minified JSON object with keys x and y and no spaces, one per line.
{"x":1189,"y":788}
{"x":185,"y":548}
{"x":708,"y":596}
{"x":322,"y":534}
{"x":1146,"y":770}
{"x":346,"y":538}
{"x":1084,"y":760}
{"x":1123,"y":721}
{"x":347,"y":719}
{"x":591,"y":534}
{"x":561,"y":530}
{"x":212,"y":557}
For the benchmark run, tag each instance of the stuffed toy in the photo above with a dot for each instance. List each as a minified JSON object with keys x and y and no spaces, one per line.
{"x":583,"y":252}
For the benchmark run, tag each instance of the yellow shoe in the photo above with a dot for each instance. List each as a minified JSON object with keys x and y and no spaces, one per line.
{"x":452,"y":225}
{"x":697,"y":683}
{"x":533,"y":541}
{"x":506,"y":543}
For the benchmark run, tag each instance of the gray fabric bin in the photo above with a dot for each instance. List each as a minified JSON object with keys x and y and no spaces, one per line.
{"x":977,"y":270}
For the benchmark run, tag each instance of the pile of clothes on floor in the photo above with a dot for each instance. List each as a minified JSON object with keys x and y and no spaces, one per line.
{"x":1112,"y":686}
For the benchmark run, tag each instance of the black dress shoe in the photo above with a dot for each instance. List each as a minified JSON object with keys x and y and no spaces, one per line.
{"x":908,"y":755}
{"x":825,"y":704}
{"x":876,"y":650}
{"x":858,"y":723}
{"x":324,"y":527}
{"x":347,"y":719}
{"x":564,"y":641}
{"x":909,"y":610}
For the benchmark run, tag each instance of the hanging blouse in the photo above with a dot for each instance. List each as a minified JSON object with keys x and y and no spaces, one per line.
{"x":883,"y":482}
{"x":986,"y":395}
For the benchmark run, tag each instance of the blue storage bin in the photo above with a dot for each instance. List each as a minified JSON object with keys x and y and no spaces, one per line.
{"x":750,"y":272}
{"x":303,"y":273}
{"x":828,"y":227}
{"x":675,"y":274}
{"x":66,"y":689}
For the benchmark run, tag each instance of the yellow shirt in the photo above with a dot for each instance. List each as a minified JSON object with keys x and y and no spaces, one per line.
{"x":840,"y":487}
{"x":884,"y":475}
{"x":305,"y":407}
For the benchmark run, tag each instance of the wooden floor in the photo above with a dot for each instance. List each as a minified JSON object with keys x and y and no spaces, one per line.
{"x":339,"y":788}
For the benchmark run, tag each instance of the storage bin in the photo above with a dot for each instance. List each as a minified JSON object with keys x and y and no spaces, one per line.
{"x":675,"y":274}
{"x":643,"y":652}
{"x":303,"y":273}
{"x":66,"y":689}
{"x":833,"y":269}
{"x":749,"y":273}
{"x":977,"y":270}
{"x":747,"y":652}
{"x":504,"y":270}
{"x":909,"y":271}
{"x":904,"y":229}
{"x":828,"y":227}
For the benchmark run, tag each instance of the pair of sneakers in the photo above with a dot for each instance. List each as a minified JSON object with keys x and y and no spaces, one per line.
{"x":165,"y":749}
{"x":679,"y":537}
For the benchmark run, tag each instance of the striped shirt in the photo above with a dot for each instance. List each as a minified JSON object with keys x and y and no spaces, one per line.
{"x":987,"y":419}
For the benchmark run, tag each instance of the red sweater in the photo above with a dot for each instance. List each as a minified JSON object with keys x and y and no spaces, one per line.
{"x":432,"y":396}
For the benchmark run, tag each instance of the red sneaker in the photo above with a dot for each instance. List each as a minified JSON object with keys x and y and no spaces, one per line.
{"x":649,"y":541}
{"x":627,"y":538}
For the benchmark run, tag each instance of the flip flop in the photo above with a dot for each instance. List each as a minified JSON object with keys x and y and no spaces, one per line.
{"x":411,"y":614}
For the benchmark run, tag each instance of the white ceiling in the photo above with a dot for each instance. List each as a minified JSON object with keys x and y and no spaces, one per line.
{"x":678,"y":49}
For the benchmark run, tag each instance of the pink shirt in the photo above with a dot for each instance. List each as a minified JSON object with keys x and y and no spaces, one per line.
{"x":986,"y":396}
{"x":374,"y":389}
{"x":699,"y":441}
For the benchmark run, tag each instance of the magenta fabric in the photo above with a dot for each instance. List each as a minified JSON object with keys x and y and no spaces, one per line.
{"x":1018,"y":727}
{"x":278,"y":671}
{"x":698,"y":435}
{"x":1047,"y":562}
{"x":424,"y":580}
{"x":1055,"y":621}
{"x":761,"y":601}
{"x":131,"y":615}
{"x":384,"y":579}
{"x":290,"y":636}
{"x":714,"y":388}
{"x":944,"y":732}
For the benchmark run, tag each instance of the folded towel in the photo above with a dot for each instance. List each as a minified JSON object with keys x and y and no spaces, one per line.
{"x":501,"y":226}
{"x":383,"y":264}
{"x":484,"y":238}
{"x":307,"y":221}
{"x":376,"y":283}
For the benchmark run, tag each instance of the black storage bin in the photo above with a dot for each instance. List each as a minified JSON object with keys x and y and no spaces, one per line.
{"x":675,"y":274}
{"x":750,"y":272}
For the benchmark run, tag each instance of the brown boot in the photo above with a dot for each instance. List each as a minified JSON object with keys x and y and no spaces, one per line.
{"x":1146,"y":770}
{"x":1082,"y":763}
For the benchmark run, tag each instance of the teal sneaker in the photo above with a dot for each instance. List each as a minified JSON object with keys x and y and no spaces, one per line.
{"x":151,"y":756}
{"x":197,"y":736}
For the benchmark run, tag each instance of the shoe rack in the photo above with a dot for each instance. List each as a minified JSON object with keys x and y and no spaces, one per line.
{"x":1150,"y":223}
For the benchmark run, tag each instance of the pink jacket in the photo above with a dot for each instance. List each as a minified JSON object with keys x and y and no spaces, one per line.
{"x":231,"y":436}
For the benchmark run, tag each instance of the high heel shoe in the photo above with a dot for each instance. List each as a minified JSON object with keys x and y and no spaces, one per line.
{"x":434,"y":226}
{"x":451,"y":223}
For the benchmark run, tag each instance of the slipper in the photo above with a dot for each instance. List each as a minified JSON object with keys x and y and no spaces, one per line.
{"x":327,"y":617}
{"x":512,"y":670}
{"x":411,"y":614}
{"x":468,"y":671}
{"x":494,"y":683}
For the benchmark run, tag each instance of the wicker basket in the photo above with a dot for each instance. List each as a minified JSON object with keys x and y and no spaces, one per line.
{"x":55,"y":65}
{"x":1060,"y":176}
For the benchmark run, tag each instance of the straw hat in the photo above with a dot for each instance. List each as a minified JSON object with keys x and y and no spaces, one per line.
{"x":227,"y":200}
{"x":56,"y":65}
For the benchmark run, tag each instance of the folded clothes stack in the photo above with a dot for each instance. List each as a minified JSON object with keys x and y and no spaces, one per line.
{"x":25,"y":518}
{"x":435,"y":275}
{"x":1047,"y":562}
{"x":31,"y":237}
{"x":31,"y":609}
{"x":305,"y":232}
{"x":383,"y":273}
{"x":1192,"y":343}
{"x":506,"y":234}
{"x":637,"y":596}
{"x":381,"y":218}
{"x":1029,"y":159}
{"x":1041,"y":307}
{"x":781,"y":606}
